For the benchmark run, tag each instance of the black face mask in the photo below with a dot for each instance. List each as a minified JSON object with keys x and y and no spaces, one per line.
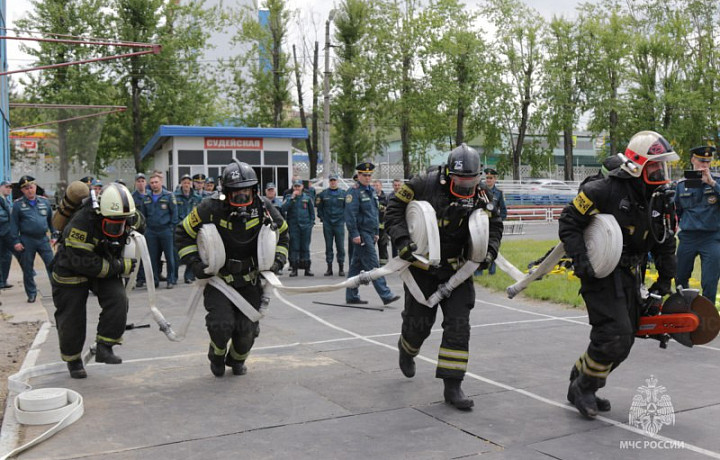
{"x":239,"y":200}
{"x":113,"y":228}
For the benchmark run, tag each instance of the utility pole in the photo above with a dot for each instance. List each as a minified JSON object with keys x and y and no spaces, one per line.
{"x":327,"y":158}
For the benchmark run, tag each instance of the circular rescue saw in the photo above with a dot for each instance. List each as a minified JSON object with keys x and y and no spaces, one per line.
{"x":686,"y":316}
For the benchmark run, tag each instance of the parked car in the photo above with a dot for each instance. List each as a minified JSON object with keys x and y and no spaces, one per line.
{"x":551,"y":186}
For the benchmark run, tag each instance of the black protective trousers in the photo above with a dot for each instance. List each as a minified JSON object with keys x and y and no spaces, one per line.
{"x":224,"y":321}
{"x":419,"y":319}
{"x":613,"y":307}
{"x":71,"y":313}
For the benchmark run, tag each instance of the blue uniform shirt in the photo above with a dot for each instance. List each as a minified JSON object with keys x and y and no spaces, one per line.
{"x":299,"y":210}
{"x":186,"y":203}
{"x":138,"y":198}
{"x":361,"y":211}
{"x":499,"y":201}
{"x":31,"y":221}
{"x":160,"y":214}
{"x":4,"y":217}
{"x":331,"y":206}
{"x":698,"y":208}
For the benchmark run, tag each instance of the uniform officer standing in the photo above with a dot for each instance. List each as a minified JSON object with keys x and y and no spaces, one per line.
{"x":6,"y":241}
{"x":330,"y":205}
{"x":271,"y":195}
{"x":31,"y":222}
{"x":614,"y":302}
{"x":187,"y":199}
{"x":361,"y":219}
{"x":455,"y":192}
{"x":199,"y":185}
{"x":238,"y":213}
{"x":209,"y":186}
{"x":160,"y":211}
{"x":140,"y":190}
{"x":300,"y":214}
{"x":89,"y":258}
{"x":699,"y":212}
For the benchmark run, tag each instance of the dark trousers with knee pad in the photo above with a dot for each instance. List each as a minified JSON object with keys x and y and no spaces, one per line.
{"x":613,"y":306}
{"x":71,"y":313}
{"x":418,"y":321}
{"x":225,"y":322}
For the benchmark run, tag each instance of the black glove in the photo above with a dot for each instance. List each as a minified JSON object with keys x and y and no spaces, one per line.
{"x":198,"y":269}
{"x":582,"y":267}
{"x":406,"y":250}
{"x":485,"y":264}
{"x":661,"y":287}
{"x":277,"y":266}
{"x":128,"y":266}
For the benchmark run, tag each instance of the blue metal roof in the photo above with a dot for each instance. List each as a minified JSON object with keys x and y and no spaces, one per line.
{"x":167,"y":131}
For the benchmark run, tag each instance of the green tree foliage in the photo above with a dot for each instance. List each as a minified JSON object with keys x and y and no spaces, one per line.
{"x":519,"y":43}
{"x":352,"y":121}
{"x":260,"y":90}
{"x":565,"y":83}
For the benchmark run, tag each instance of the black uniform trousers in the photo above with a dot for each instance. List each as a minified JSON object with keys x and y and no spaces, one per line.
{"x":71,"y":313}
{"x":419,"y":319}
{"x":224,"y":321}
{"x":613,"y":307}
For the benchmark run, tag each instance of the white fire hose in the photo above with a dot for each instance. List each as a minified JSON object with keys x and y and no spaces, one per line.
{"x":603,"y":241}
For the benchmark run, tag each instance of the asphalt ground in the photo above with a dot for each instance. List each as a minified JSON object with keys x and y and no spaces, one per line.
{"x":323,"y":383}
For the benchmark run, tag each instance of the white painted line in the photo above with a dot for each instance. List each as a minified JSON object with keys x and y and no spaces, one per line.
{"x":504,"y":386}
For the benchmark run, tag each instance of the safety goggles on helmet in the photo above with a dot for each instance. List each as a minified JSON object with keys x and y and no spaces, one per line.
{"x":240,"y":197}
{"x":463,"y":186}
{"x":113,"y":228}
{"x":656,"y":173}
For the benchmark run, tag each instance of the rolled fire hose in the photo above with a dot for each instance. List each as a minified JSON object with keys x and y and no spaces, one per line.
{"x":44,"y":406}
{"x":603,"y":241}
{"x":479,"y":229}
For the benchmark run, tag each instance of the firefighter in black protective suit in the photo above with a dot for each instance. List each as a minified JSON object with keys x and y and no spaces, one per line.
{"x":89,"y":258}
{"x":636,"y":195}
{"x":454,"y":191}
{"x":238,"y":212}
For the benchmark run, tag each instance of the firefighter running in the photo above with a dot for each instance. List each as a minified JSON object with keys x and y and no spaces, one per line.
{"x":454,"y":192}
{"x":238,"y":213}
{"x":614,"y":304}
{"x":89,"y":258}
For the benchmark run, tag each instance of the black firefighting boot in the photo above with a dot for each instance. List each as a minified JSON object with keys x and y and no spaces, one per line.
{"x":104,"y":354}
{"x":341,"y":272}
{"x":238,"y":367}
{"x":217,"y":362}
{"x":329,"y":270}
{"x":603,"y":404}
{"x":293,"y":269}
{"x":407,"y":362}
{"x":582,"y":394}
{"x":307,"y":269}
{"x":77,"y":369}
{"x":455,"y":396}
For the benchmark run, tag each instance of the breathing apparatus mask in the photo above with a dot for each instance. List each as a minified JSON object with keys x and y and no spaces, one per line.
{"x":240,"y":198}
{"x":464,"y":187}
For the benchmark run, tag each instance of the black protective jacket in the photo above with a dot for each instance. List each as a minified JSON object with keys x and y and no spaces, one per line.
{"x":239,"y":229}
{"x":83,"y":251}
{"x":626,"y":198}
{"x":452,"y":214}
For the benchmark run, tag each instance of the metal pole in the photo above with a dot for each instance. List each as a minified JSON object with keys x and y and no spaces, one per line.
{"x":327,"y":159}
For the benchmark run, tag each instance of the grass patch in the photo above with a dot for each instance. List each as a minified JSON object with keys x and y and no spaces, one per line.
{"x":560,"y":286}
